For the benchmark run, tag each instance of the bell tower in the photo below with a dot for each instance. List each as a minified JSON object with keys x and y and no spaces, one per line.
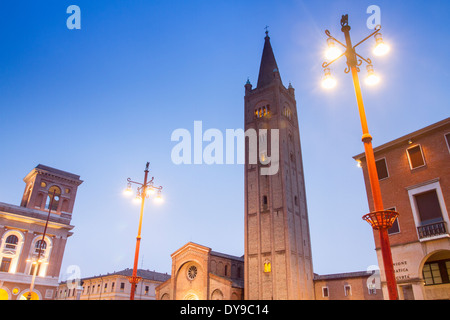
{"x":278,"y":259}
{"x":44,"y":183}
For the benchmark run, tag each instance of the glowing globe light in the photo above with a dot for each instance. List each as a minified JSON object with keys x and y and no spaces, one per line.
{"x":137,"y":199}
{"x":380,"y":47}
{"x":371,"y":79}
{"x":328,"y":82}
{"x":333,"y":52}
{"x":159,"y":198}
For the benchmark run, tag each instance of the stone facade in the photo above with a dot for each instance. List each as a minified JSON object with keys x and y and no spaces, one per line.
{"x":414,"y":174}
{"x":22,"y":228}
{"x":112,"y":286}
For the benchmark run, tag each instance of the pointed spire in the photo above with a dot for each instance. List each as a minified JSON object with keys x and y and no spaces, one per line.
{"x":268,"y":70}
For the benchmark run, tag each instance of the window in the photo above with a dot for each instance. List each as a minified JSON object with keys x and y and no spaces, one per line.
{"x":395,"y":227}
{"x":38,"y":245}
{"x":53,"y":200}
{"x":4,"y":266}
{"x":262,"y":112}
{"x":429,"y":210}
{"x":147,"y":289}
{"x":264,"y":203}
{"x":122,"y":286}
{"x":267,"y":267}
{"x":192,"y":272}
{"x":447,"y":139}
{"x":436,"y":272}
{"x":428,"y":207}
{"x":347,"y":290}
{"x":296,"y":200}
{"x":382,"y":169}
{"x":372,"y":289}
{"x":415,"y":157}
{"x":11,"y":242}
{"x":33,"y":267}
{"x":287,"y":113}
{"x":325,"y":292}
{"x":112,"y":286}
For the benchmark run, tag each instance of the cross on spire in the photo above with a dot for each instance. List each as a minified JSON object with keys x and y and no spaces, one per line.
{"x":267,"y":30}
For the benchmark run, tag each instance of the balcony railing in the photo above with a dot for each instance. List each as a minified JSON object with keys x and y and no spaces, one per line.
{"x":432,"y":230}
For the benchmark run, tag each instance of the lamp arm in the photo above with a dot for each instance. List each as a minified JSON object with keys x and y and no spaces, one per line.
{"x":377,"y":30}
{"x":326,"y":64}
{"x":131,"y":181}
{"x":368,"y":61}
{"x":327,"y":32}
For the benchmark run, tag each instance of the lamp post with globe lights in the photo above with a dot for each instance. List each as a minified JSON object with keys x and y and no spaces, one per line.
{"x":144,"y":191}
{"x":380,"y":219}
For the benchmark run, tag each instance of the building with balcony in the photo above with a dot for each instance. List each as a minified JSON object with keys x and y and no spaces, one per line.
{"x":414,"y":175}
{"x":47,"y":204}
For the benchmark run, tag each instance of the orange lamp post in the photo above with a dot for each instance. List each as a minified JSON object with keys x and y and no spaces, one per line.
{"x":143,"y":192}
{"x":380,"y":219}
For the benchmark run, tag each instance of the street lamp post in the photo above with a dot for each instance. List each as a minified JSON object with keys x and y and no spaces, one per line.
{"x":38,"y":262}
{"x":380,"y":219}
{"x":143,"y":192}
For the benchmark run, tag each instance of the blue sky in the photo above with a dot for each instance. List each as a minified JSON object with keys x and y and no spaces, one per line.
{"x":102,"y":101}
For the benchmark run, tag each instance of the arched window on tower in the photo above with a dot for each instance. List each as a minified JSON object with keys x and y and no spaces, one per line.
{"x":267,"y":266}
{"x":54,"y":193}
{"x":287,"y":113}
{"x":262,"y":111}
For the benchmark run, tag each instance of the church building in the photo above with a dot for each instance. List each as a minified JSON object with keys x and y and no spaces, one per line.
{"x":277,"y":263}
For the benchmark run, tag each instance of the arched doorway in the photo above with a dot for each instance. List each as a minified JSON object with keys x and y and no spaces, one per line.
{"x":4,"y":294}
{"x":34,"y":296}
{"x":190,"y":296}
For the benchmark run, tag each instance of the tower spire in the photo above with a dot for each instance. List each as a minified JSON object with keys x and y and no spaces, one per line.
{"x":268,"y":70}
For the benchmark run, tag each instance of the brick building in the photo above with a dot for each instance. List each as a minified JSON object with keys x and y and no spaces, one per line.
{"x":21,"y":233}
{"x":278,"y":257}
{"x":363,"y":285}
{"x":198,"y":273}
{"x":414,"y":175}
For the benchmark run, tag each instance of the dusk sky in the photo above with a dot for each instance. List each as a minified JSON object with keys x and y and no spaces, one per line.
{"x":103,"y":100}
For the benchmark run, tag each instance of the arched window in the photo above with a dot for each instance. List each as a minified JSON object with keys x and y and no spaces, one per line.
{"x":262,"y":111}
{"x":38,"y":245}
{"x":11,"y":246}
{"x":11,"y":242}
{"x":287,"y":113}
{"x":54,"y":195}
{"x":267,"y":266}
